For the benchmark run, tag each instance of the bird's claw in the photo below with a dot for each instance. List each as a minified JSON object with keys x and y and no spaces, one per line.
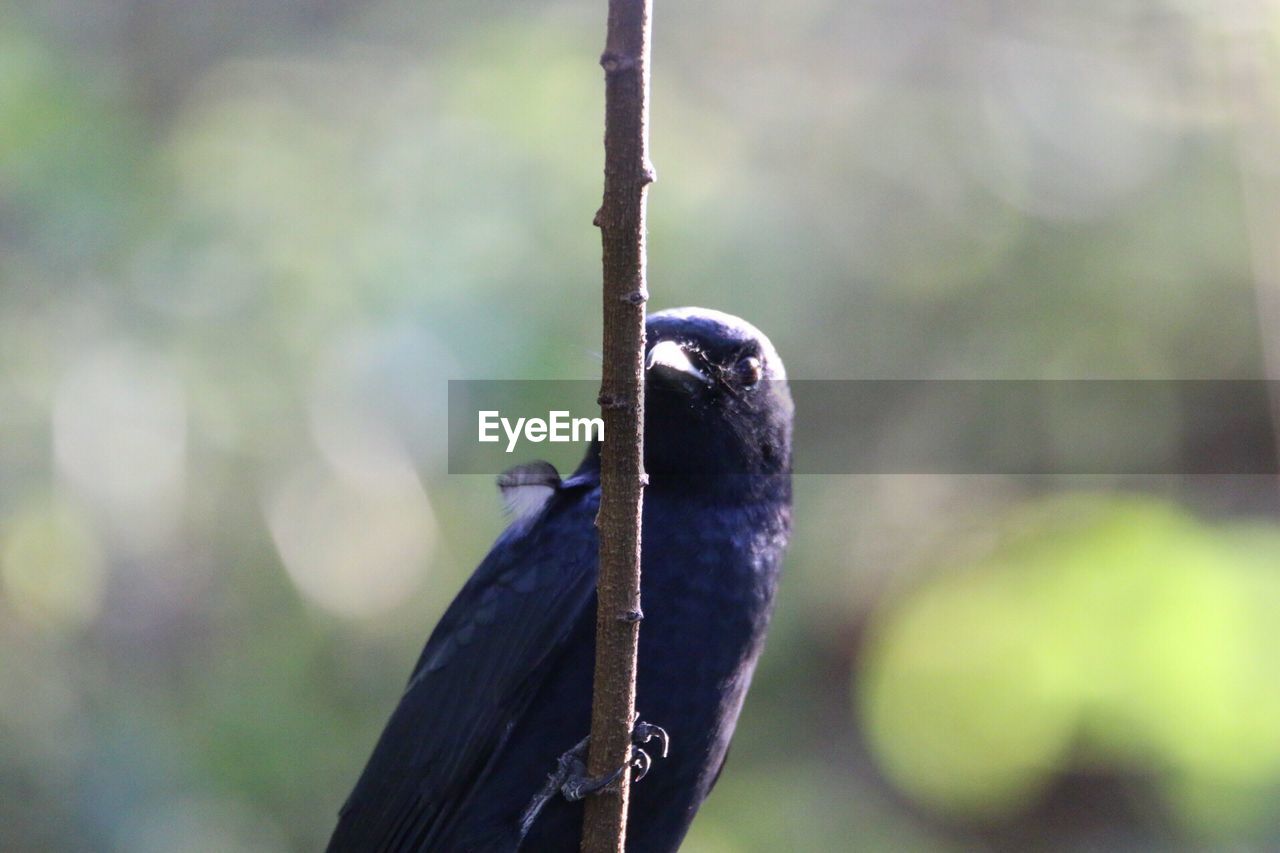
{"x":640,"y":763}
{"x":570,"y":777}
{"x":645,"y":732}
{"x":641,"y":734}
{"x":572,"y":768}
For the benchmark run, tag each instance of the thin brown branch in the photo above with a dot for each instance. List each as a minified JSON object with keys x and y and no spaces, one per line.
{"x":621,"y":219}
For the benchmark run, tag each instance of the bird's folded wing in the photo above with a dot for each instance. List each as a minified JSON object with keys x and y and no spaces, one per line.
{"x":475,"y":678}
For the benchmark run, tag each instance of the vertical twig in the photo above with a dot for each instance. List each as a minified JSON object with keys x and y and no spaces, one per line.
{"x":627,"y":175}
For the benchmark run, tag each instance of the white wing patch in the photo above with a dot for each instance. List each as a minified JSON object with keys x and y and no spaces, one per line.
{"x":527,"y":488}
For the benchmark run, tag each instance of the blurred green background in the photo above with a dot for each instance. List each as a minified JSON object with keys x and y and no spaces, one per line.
{"x":244,"y":243}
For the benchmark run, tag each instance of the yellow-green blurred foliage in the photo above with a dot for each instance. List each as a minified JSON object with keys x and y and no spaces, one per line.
{"x":1109,"y":632}
{"x":243,"y":244}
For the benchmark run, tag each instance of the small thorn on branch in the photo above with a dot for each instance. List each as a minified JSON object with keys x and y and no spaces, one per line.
{"x":598,"y":220}
{"x":648,"y":174}
{"x":616,"y":63}
{"x":635,"y":297}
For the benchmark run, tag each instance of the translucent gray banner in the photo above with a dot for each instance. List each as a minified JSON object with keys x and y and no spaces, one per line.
{"x":1010,"y":427}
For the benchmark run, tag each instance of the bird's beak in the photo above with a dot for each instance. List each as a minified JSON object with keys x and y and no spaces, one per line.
{"x":667,"y":359}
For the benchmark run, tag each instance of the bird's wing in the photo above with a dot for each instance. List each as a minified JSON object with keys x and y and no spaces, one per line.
{"x":476,"y":675}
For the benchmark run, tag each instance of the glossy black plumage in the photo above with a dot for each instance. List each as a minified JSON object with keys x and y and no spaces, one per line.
{"x":503,"y":686}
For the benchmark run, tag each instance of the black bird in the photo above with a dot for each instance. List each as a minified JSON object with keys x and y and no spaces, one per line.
{"x":503,"y":688}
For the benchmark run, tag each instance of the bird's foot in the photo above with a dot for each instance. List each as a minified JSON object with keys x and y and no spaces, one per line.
{"x":572,"y":782}
{"x":571,"y":769}
{"x":577,"y":784}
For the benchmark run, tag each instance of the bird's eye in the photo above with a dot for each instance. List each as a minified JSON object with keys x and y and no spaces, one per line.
{"x":748,"y":371}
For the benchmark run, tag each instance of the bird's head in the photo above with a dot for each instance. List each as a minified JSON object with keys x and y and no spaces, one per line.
{"x":716,"y":397}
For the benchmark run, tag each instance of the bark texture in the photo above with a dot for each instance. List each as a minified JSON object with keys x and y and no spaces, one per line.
{"x":627,"y":175}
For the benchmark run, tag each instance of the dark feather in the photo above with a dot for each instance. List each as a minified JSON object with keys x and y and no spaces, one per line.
{"x":476,"y":674}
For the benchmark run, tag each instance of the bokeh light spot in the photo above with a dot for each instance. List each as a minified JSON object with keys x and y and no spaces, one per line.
{"x":353,"y":548}
{"x":119,"y":435}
